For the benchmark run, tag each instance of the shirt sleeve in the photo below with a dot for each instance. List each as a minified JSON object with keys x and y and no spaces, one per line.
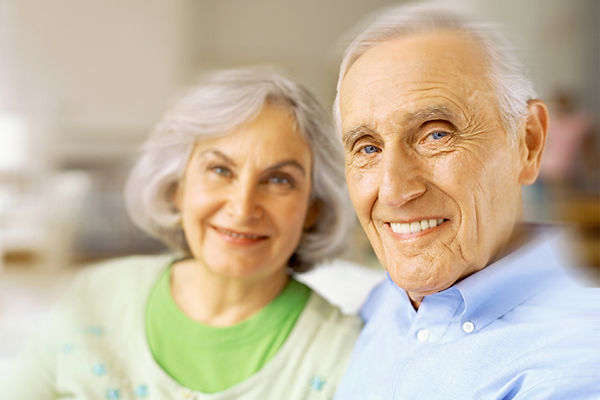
{"x":580,"y":387}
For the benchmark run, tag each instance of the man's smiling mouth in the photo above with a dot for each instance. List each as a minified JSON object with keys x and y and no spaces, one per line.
{"x":404,"y":228}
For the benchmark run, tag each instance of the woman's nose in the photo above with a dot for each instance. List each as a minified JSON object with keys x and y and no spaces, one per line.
{"x":243,"y":201}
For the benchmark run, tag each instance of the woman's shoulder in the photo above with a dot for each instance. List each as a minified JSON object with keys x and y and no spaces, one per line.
{"x":344,"y":284}
{"x":318,"y":349}
{"x":122,"y":283}
{"x":329,"y":320}
{"x":137,"y":270}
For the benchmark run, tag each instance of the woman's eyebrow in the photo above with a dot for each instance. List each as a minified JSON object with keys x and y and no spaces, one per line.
{"x":284,"y":163}
{"x":218,"y":154}
{"x":273,"y":167}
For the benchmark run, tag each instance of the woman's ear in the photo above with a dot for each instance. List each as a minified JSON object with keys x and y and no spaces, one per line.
{"x":312,"y":214}
{"x":532,"y":141}
{"x":175,"y":195}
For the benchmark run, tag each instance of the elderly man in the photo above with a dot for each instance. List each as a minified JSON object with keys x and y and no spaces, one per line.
{"x":441,"y":130}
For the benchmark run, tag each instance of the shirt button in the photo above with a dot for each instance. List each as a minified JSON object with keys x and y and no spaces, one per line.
{"x":468,"y":327}
{"x":422,"y":335}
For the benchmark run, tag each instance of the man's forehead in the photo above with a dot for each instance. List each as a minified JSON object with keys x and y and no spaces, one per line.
{"x":429,"y":50}
{"x":434,"y":71}
{"x":441,"y":53}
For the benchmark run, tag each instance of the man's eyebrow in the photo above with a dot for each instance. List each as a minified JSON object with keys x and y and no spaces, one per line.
{"x":428,"y":113}
{"x":431,"y":112}
{"x":351,"y":136}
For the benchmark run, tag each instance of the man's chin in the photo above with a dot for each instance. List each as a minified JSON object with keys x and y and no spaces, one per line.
{"x":422,"y":278}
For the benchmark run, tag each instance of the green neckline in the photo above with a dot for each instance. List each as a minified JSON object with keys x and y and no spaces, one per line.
{"x":275,"y":313}
{"x":200,"y":356}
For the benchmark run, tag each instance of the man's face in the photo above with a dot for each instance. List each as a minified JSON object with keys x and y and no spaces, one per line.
{"x":432,"y":173}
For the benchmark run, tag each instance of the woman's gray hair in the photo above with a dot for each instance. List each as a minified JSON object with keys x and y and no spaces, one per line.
{"x":507,"y":74}
{"x":218,"y":104}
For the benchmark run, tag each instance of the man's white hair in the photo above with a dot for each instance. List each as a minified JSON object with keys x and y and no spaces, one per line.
{"x":507,"y":74}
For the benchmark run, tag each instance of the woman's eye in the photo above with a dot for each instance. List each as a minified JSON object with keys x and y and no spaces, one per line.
{"x":370,"y":149}
{"x":223,"y":171}
{"x":280,"y":180}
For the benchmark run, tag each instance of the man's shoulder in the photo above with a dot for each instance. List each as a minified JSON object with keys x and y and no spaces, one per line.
{"x":571,"y":303}
{"x":550,"y":357}
{"x":384,"y":297}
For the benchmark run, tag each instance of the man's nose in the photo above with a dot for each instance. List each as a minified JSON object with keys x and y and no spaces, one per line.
{"x":401,"y":179}
{"x":243,"y":202}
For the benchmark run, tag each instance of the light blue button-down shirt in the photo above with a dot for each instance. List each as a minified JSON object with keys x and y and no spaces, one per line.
{"x":521,"y":328}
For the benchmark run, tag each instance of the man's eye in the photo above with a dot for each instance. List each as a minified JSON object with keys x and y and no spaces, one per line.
{"x":370,"y":149}
{"x":437,"y":135}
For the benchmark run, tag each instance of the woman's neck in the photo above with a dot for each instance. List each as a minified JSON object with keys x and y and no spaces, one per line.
{"x":217,"y":300}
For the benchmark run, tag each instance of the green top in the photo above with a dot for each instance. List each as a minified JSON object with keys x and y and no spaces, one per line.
{"x":210,"y":359}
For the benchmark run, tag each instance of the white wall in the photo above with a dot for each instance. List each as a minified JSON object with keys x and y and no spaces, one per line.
{"x":557,"y":38}
{"x":92,"y":76}
{"x":78,"y":69}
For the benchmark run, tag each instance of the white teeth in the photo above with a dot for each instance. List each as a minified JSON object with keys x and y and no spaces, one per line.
{"x":414,"y":227}
{"x":401,"y":228}
{"x":240,"y":235}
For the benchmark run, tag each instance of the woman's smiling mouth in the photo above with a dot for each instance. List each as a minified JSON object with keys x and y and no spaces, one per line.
{"x":239,"y":237}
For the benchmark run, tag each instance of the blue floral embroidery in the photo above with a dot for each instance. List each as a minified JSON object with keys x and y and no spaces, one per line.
{"x":317,"y":383}
{"x":99,"y":369}
{"x":141,"y":391}
{"x":95,"y":330}
{"x":66,"y":348}
{"x":112,"y":394}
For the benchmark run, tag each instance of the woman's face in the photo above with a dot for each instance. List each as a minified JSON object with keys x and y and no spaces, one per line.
{"x":244,"y":197}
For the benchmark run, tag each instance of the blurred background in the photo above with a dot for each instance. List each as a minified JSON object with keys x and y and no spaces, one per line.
{"x":83,"y":82}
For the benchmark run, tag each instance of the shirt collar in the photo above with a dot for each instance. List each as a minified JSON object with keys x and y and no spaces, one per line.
{"x":503,"y":285}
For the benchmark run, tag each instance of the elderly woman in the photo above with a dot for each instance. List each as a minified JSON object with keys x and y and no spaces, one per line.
{"x":243,"y":180}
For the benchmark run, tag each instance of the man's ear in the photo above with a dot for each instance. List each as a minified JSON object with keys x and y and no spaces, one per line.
{"x":312,"y":214}
{"x":532,"y":141}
